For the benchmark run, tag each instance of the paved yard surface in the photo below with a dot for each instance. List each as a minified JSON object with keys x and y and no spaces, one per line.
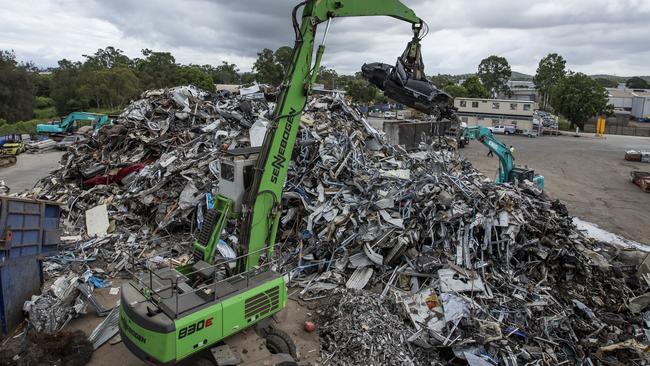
{"x":589,"y":174}
{"x":29,"y":169}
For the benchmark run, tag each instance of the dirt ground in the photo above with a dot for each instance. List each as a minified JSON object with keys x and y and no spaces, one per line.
{"x":589,"y":174}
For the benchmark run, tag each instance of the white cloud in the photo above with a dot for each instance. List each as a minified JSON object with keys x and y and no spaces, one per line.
{"x":599,"y":36}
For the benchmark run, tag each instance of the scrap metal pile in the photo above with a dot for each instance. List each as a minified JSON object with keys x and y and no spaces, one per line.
{"x":432,"y":261}
{"x":489,"y":274}
{"x":144,"y":180}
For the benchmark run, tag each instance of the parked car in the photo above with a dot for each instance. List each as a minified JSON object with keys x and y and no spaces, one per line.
{"x":504,"y":130}
{"x":69,"y":141}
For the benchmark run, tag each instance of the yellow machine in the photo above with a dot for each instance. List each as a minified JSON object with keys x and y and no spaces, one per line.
{"x":12,"y":144}
{"x":600,"y":126}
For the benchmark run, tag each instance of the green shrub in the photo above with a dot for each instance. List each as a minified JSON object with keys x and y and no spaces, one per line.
{"x":19,"y":127}
{"x":564,"y":125}
{"x":44,"y":102}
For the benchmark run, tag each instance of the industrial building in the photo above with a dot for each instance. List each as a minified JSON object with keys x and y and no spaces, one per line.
{"x":635,"y":101}
{"x":494,"y":112}
{"x":641,"y":106}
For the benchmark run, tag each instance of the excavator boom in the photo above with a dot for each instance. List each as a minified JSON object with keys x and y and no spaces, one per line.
{"x":508,"y":172}
{"x":261,"y":220}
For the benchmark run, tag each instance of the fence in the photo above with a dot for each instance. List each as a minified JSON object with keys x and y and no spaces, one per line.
{"x":620,"y":130}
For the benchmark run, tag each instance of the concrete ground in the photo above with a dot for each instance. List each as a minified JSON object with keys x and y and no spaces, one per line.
{"x":589,"y":174}
{"x":29,"y":169}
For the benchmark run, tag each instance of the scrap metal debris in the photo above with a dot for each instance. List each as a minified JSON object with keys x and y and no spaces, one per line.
{"x":454,"y":268}
{"x":638,"y":156}
{"x":364,"y":330}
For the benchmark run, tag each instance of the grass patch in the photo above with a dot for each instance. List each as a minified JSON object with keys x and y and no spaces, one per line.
{"x":564,"y":125}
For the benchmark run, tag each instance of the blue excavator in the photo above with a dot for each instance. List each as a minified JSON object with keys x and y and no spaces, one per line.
{"x":508,"y":172}
{"x":67,"y":124}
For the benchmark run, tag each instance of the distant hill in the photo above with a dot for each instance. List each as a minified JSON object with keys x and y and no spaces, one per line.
{"x":618,"y":79}
{"x":520,"y":76}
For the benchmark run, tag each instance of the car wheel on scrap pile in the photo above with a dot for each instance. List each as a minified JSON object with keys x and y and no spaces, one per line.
{"x":278,"y":341}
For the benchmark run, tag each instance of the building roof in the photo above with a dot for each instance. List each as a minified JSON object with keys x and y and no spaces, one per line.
{"x":618,"y":93}
{"x":497,"y":100}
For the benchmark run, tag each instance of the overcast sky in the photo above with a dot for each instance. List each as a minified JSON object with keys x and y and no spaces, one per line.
{"x":594,"y":36}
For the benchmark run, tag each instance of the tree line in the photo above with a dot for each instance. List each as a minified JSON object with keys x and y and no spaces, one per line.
{"x":109,"y":79}
{"x":575,"y":95}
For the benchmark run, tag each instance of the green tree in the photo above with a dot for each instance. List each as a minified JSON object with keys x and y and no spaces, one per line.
{"x":494,"y":73}
{"x":283,"y":56}
{"x":107,"y":58}
{"x":474,"y":88}
{"x":17,"y":89}
{"x":607,"y":83}
{"x":43,"y":84}
{"x":442,"y":80}
{"x":550,"y":70}
{"x":156,"y":70}
{"x":66,"y":80}
{"x":195,"y":75}
{"x":328,"y":77}
{"x":578,"y":98}
{"x":247,"y":78}
{"x":456,"y":91}
{"x":226,"y":73}
{"x":267,"y":69}
{"x":361,"y":91}
{"x":637,"y":83}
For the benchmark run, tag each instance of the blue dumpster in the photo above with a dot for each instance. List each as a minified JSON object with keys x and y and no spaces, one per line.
{"x":20,"y":278}
{"x":28,"y":229}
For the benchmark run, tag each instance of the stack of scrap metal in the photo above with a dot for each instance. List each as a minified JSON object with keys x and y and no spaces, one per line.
{"x":432,"y":262}
{"x":41,"y":146}
{"x":641,"y":179}
{"x":641,"y":156}
{"x":141,"y":186}
{"x":482,"y":272}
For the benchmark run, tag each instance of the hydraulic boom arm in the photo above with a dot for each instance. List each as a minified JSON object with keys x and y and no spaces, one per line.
{"x":262,"y":208}
{"x":508,"y":172}
{"x":485,"y":136}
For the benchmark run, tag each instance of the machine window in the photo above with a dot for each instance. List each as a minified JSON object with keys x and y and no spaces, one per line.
{"x":526,"y":107}
{"x":228,"y":172}
{"x":495,"y":105}
{"x":474,"y":104}
{"x":513,"y":106}
{"x":249,"y":172}
{"x":463,"y":103}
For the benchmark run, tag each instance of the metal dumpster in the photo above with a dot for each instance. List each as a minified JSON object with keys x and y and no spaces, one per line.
{"x":28,"y":229}
{"x":409,"y":134}
{"x":20,"y":278}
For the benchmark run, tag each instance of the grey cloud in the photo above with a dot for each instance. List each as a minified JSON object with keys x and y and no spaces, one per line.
{"x":599,"y":36}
